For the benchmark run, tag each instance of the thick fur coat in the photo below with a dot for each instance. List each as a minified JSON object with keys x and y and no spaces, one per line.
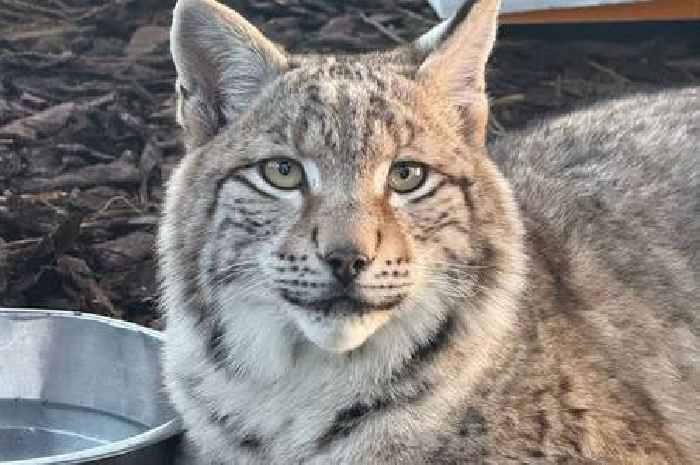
{"x":531,"y":302}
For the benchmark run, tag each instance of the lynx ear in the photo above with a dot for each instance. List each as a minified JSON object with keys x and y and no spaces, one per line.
{"x":222,"y":63}
{"x":456,"y":55}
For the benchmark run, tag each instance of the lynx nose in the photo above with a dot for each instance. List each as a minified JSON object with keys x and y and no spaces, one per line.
{"x":346,"y":264}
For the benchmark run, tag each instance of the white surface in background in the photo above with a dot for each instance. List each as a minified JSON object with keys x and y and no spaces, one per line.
{"x":445,"y":8}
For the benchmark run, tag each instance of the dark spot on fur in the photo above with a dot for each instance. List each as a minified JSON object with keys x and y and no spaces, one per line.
{"x":450,"y":254}
{"x":254,"y":223}
{"x":472,"y":423}
{"x":216,"y":349}
{"x":465,"y":185}
{"x":378,"y":81}
{"x":543,"y":426}
{"x":314,"y":236}
{"x":221,"y":120}
{"x":342,"y":71}
{"x":251,"y":442}
{"x":313,"y":92}
{"x":348,"y":419}
{"x":278,"y":133}
{"x":411,"y":130}
{"x":215,"y":345}
{"x":184,"y":93}
{"x":426,"y":352}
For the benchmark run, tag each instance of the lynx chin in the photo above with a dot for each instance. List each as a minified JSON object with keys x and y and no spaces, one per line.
{"x":351,"y":276}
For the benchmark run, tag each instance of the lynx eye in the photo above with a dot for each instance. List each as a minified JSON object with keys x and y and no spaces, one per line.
{"x":407,"y":176}
{"x":282,"y":173}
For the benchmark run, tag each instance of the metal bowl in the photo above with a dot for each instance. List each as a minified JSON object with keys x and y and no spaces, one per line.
{"x":79,"y":388}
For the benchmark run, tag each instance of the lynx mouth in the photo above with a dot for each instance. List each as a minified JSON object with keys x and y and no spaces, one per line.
{"x":343,"y":304}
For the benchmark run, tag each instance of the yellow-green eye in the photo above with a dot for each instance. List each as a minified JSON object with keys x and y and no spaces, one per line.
{"x":407,"y":176}
{"x":282,"y":173}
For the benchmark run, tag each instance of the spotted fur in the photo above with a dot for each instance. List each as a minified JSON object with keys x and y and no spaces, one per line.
{"x":535,"y":305}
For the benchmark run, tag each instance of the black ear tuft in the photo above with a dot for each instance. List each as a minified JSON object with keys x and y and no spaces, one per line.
{"x":459,"y":17}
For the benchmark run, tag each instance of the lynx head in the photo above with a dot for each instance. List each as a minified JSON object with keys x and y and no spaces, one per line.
{"x":342,"y":194}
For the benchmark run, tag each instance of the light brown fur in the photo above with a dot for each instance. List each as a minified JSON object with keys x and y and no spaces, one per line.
{"x":507,"y":313}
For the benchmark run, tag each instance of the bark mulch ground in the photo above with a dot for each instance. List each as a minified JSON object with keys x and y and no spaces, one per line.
{"x":87,"y":134}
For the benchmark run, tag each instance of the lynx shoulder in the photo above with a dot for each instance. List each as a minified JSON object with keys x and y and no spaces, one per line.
{"x":351,"y":276}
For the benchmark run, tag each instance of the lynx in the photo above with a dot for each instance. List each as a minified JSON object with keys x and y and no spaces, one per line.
{"x":351,"y":276}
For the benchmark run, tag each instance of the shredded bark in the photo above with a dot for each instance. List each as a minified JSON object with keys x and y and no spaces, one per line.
{"x":88,"y":136}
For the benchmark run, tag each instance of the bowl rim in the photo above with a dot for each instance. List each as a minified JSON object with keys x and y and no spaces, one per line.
{"x":148,"y":438}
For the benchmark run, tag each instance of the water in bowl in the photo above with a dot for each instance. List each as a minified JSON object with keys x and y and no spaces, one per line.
{"x":32,"y":428}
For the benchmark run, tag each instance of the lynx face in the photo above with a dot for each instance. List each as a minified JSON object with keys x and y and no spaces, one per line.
{"x":337,"y":192}
{"x":340,"y":205}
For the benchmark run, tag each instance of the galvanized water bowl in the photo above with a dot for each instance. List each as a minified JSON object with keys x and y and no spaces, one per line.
{"x":80,"y":388}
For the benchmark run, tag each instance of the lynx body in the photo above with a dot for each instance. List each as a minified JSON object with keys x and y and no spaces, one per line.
{"x":349,"y":277}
